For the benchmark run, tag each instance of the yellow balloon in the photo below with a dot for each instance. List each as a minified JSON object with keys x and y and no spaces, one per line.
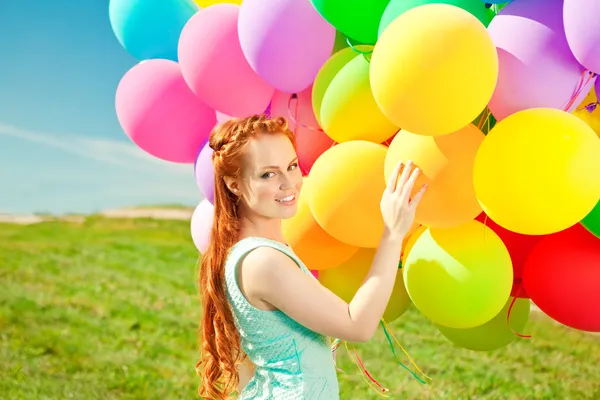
{"x":446,"y":164}
{"x":346,"y":188}
{"x":346,"y":279}
{"x":310,"y":242}
{"x":590,"y":118}
{"x":434,"y":69}
{"x":349,"y":111}
{"x":538,"y":171}
{"x":206,"y":3}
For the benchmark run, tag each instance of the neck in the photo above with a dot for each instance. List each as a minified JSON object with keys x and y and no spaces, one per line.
{"x":269,"y":228}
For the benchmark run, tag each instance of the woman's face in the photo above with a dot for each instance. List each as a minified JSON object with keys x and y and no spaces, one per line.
{"x":271,"y":180}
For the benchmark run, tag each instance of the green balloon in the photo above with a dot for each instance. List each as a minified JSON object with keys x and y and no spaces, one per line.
{"x":495,"y":333}
{"x":591,"y":222}
{"x":398,"y":7}
{"x":357,"y":19}
{"x":460,"y":276}
{"x":328,"y":71}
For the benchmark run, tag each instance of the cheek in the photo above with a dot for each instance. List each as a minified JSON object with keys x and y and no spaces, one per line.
{"x":265,"y":191}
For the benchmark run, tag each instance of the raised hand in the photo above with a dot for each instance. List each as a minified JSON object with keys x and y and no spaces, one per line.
{"x":397,"y":207}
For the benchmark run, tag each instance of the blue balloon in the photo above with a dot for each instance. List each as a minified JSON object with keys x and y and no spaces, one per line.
{"x":150,"y":28}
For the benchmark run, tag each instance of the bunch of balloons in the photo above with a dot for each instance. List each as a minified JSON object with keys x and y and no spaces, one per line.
{"x":512,"y":212}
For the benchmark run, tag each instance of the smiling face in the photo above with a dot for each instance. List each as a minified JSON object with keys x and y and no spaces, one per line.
{"x":271,"y":180}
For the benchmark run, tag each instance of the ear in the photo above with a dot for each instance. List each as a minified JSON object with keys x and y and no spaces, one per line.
{"x":232,"y":184}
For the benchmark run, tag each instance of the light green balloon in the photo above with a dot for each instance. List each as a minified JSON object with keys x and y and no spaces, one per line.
{"x":398,"y":7}
{"x":357,"y":19}
{"x":328,"y":71}
{"x":495,"y":333}
{"x":459,"y":277}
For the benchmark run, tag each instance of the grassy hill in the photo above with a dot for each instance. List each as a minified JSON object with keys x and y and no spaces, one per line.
{"x":108,"y":309}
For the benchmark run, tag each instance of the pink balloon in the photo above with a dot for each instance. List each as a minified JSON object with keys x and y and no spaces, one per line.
{"x":201,"y":225}
{"x":205,"y":173}
{"x":160,"y":114}
{"x":537,"y":68}
{"x":214,"y":66}
{"x":285,"y":41}
{"x":582,"y":28}
{"x":222,"y":117}
{"x":315,"y":273}
{"x":311,"y":141}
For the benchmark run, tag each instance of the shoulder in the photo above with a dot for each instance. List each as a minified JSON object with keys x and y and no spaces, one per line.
{"x":266,"y":265}
{"x":266,"y":260}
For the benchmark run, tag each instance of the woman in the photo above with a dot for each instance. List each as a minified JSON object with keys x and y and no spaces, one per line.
{"x":259,"y":300}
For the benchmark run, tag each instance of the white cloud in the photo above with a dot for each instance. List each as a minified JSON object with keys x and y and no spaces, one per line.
{"x":114,"y":152}
{"x":58,"y":173}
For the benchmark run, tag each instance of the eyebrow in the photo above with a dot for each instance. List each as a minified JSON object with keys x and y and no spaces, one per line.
{"x":276,"y":167}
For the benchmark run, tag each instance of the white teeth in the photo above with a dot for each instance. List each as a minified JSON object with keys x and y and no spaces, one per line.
{"x":286,"y":198}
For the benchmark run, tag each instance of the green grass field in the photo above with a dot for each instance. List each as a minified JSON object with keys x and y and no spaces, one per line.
{"x":108,"y":309}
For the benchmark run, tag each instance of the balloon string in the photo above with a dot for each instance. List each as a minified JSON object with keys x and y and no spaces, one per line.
{"x":580,"y":87}
{"x":374,"y":384}
{"x":294,"y":115}
{"x":484,"y":118}
{"x":389,"y":339}
{"x":387,"y":330}
{"x":357,"y":50}
{"x":334,"y":347}
{"x":508,"y":319}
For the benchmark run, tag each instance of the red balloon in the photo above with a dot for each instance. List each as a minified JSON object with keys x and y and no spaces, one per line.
{"x":389,"y":140}
{"x":562,"y":277}
{"x":311,"y":141}
{"x":519,"y":247}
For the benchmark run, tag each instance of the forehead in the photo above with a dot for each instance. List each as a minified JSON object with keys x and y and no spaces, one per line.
{"x":269,"y":149}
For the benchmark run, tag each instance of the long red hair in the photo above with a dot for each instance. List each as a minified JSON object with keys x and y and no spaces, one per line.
{"x":220,"y":340}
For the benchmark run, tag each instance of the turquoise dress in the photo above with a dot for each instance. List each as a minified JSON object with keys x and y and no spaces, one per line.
{"x":292,"y":362}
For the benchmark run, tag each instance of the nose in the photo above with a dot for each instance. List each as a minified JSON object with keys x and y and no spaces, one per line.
{"x":285,"y":182}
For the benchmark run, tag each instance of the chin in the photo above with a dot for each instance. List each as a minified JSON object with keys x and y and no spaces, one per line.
{"x":287,"y":212}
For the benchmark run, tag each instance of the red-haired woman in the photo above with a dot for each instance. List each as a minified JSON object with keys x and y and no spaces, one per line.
{"x":265,"y":318}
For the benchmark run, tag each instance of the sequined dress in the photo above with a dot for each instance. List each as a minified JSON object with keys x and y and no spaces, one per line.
{"x":292,"y":362}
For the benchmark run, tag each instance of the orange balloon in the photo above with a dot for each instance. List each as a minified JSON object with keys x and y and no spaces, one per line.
{"x":310,"y":242}
{"x":446,"y":164}
{"x":346,"y":279}
{"x":346,"y":189}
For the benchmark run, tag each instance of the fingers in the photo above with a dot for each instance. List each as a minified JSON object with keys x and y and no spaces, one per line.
{"x":408,"y":187}
{"x":417,"y":197}
{"x":394,"y":177}
{"x":404,"y":177}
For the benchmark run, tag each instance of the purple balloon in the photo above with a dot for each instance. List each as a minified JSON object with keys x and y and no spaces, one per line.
{"x":285,"y":41}
{"x":582,"y":28}
{"x":536,"y":66}
{"x":204,"y":172}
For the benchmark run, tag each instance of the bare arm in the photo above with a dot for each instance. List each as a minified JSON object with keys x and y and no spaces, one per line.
{"x":273,"y":277}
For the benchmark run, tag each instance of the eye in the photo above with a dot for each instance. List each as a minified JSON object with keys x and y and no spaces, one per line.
{"x":293,"y":166}
{"x":268,"y":175}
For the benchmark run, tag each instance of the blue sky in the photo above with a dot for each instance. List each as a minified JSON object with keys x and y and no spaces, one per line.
{"x":61,"y":147}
